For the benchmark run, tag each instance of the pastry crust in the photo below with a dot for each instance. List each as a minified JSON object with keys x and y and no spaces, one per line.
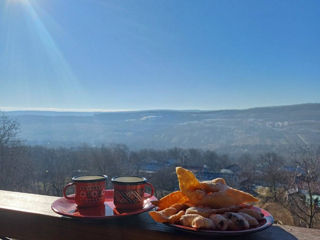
{"x":197,"y":221}
{"x":165,"y":214}
{"x":236,"y":221}
{"x":220,"y":221}
{"x":204,"y":212}
{"x":215,"y":193}
{"x":252,"y":212}
{"x":251,"y":220}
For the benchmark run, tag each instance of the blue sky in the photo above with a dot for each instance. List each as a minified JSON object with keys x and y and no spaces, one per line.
{"x":174,"y":54}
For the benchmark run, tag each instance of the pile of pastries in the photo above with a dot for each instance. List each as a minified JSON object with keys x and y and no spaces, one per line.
{"x":207,"y":205}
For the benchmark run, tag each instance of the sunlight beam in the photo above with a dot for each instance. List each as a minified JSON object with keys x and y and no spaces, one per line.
{"x":42,"y":43}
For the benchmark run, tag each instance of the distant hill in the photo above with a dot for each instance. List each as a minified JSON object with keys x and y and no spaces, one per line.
{"x":256,"y":129}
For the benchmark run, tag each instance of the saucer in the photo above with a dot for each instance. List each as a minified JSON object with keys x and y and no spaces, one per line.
{"x":69,"y":208}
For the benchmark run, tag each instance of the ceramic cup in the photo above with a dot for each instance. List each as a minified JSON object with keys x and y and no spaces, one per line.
{"x":89,"y":190}
{"x":129,"y":192}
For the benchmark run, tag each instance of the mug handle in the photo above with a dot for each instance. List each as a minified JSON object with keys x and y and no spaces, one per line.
{"x":152,"y":190}
{"x":65,"y":191}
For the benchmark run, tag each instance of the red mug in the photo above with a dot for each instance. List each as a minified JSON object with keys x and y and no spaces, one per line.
{"x":129,"y":192}
{"x":89,"y":190}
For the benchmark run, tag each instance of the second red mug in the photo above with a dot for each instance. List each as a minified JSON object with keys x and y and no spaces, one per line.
{"x":129,"y":192}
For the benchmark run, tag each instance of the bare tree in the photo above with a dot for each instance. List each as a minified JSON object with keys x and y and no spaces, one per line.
{"x":15,"y":166}
{"x":271,"y":166}
{"x":211,"y":159}
{"x":109,"y":160}
{"x":164,"y":181}
{"x":8,"y":130}
{"x":248,"y":173}
{"x":305,"y":180}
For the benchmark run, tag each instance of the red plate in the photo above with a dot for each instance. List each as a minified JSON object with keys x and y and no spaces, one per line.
{"x":263,"y":224}
{"x":68,"y":208}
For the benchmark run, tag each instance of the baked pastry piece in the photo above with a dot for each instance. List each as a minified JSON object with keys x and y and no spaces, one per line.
{"x":176,"y":217}
{"x":170,"y":199}
{"x":253,"y":212}
{"x":202,"y":222}
{"x":236,"y":221}
{"x":215,"y":193}
{"x":197,"y":221}
{"x":220,"y":222}
{"x":204,"y":212}
{"x":168,"y":214}
{"x":251,"y":220}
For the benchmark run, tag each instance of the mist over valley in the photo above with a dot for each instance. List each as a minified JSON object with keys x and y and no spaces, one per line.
{"x":230,"y":131}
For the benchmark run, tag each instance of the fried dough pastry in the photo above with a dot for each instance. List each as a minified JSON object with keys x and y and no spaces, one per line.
{"x":253,"y":213}
{"x":214,"y":185}
{"x":197,"y":221}
{"x":215,"y":193}
{"x":176,"y":217}
{"x":170,"y":199}
{"x":251,"y":220}
{"x":219,"y":221}
{"x":236,"y":221}
{"x":204,"y":212}
{"x":228,"y":209}
{"x":207,"y":212}
{"x":202,"y":222}
{"x":187,"y":219}
{"x":165,"y":214}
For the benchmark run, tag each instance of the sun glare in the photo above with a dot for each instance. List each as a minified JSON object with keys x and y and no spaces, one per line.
{"x":14,"y":3}
{"x":17,"y":1}
{"x":38,"y":30}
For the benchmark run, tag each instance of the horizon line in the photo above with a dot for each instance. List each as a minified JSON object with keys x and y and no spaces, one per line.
{"x":94,"y":110}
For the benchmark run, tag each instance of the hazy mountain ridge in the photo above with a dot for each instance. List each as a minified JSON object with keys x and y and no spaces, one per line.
{"x":271,"y":127}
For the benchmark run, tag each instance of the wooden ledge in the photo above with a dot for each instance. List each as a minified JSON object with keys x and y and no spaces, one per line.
{"x":29,"y":216}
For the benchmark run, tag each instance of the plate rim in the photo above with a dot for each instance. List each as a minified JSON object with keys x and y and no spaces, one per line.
{"x":268,"y":218}
{"x":124,"y":214}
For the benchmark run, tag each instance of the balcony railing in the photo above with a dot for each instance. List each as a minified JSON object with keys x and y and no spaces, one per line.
{"x":29,"y":216}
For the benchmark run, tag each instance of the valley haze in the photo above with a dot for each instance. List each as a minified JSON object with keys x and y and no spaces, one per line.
{"x":279,"y":128}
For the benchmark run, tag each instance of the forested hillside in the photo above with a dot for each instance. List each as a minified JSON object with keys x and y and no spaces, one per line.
{"x":226,"y":131}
